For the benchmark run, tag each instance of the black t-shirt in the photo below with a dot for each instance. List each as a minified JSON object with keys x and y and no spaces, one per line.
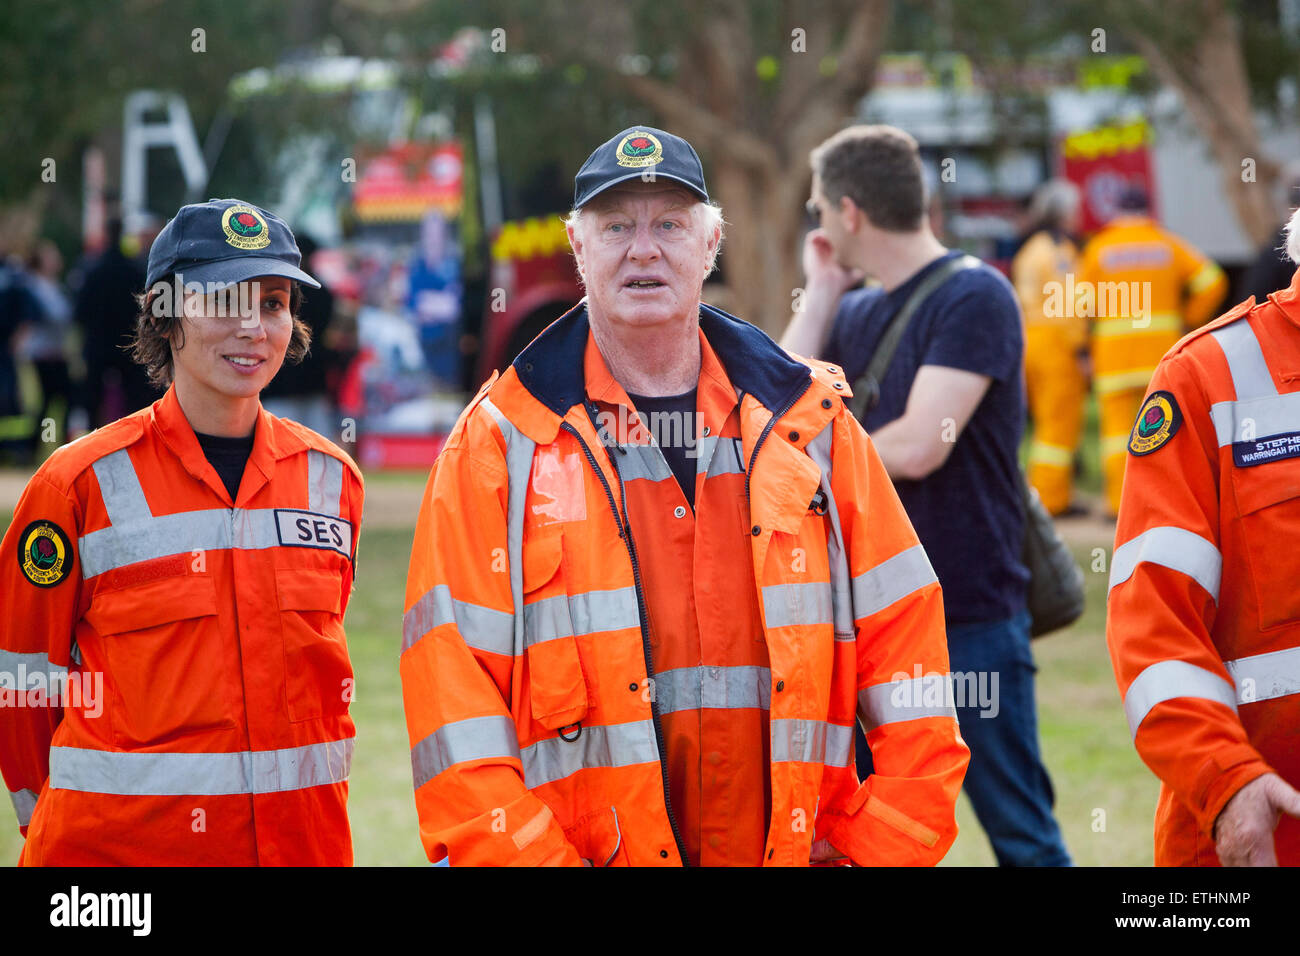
{"x":969,"y":514}
{"x":680,"y":408}
{"x":228,"y":456}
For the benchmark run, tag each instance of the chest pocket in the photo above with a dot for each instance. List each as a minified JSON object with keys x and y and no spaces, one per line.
{"x":171,"y":670}
{"x":317,"y":670}
{"x":1268,"y":502}
{"x":557,"y":686}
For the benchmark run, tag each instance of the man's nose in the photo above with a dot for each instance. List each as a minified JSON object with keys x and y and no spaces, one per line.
{"x":644,"y":245}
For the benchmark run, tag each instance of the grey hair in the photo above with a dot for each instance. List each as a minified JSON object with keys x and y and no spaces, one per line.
{"x":1293,"y":237}
{"x":1053,"y":202}
{"x":712,"y":219}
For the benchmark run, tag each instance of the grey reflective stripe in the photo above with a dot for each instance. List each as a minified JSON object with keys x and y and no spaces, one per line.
{"x":1266,"y":676}
{"x":200,"y":774}
{"x":1170,"y":680}
{"x":585,"y":613}
{"x":120,"y":487}
{"x":812,"y":741}
{"x":1174,"y":548}
{"x":613,"y":745}
{"x":24,"y":802}
{"x":324,"y":483}
{"x":186,"y":531}
{"x":890,"y":580}
{"x":13,"y":664}
{"x":1250,"y":375}
{"x":722,"y":688}
{"x":641,"y":461}
{"x":819,"y":449}
{"x":720,"y":456}
{"x":519,"y":467}
{"x":482,"y":628}
{"x":800,"y":602}
{"x":908,"y":699}
{"x":1256,"y":419}
{"x":477,"y":738}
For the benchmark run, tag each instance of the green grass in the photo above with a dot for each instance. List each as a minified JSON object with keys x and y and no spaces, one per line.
{"x":1085,"y":740}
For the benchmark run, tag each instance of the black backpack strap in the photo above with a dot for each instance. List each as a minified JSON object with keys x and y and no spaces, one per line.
{"x":866,"y":390}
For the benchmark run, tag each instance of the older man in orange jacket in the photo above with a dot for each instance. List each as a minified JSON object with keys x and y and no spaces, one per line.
{"x":1204,"y":612}
{"x":658,"y":571}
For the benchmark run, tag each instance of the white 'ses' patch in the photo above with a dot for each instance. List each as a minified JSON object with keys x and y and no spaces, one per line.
{"x":307,"y":529}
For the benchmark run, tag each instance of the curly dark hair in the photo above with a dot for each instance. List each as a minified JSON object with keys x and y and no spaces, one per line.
{"x":879,"y":168}
{"x":151,"y":346}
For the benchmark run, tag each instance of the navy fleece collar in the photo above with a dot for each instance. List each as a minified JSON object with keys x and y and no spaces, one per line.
{"x":551,"y":366}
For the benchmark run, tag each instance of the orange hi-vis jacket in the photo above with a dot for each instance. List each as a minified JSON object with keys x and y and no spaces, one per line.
{"x":527,"y":674}
{"x":184,"y":675}
{"x":1147,"y":288}
{"x":1204,"y":610}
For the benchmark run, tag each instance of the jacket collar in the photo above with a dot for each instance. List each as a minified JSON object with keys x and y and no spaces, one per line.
{"x":271,"y":443}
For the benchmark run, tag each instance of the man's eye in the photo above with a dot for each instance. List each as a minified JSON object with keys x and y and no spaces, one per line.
{"x":670,"y":225}
{"x":615,"y":227}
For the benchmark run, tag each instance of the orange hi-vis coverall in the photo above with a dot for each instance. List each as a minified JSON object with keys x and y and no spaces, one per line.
{"x":1144,"y":287}
{"x":183,"y":675}
{"x":533,"y":706}
{"x":1054,"y":379}
{"x":1204,"y":613}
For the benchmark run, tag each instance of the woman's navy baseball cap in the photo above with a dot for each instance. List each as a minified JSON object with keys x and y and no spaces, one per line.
{"x":640,"y":152}
{"x":225,"y":241}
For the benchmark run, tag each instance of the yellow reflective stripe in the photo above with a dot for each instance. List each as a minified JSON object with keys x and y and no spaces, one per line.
{"x":1114,"y":445}
{"x":1136,"y":325}
{"x":1045,"y":454}
{"x":1119,"y":381}
{"x":1208,"y":275}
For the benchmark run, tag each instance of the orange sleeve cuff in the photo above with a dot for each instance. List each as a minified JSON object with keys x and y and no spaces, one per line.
{"x":1221,"y":776}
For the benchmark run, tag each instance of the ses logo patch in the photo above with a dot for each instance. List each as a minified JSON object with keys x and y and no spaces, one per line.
{"x":44,"y":554}
{"x":1156,"y":423}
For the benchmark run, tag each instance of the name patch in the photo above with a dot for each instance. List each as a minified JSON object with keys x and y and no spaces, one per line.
{"x":1248,"y":453}
{"x":307,"y":529}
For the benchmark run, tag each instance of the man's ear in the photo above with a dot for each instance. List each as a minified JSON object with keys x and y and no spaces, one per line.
{"x":854,"y":217}
{"x":575,"y":243}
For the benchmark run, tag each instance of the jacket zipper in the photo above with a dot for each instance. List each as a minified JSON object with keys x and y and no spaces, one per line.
{"x":771,"y":422}
{"x":625,"y":532}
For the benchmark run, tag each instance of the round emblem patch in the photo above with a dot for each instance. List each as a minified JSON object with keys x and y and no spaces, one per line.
{"x":245,"y":228}
{"x":639,"y":150}
{"x":1156,"y":423}
{"x":44,"y":554}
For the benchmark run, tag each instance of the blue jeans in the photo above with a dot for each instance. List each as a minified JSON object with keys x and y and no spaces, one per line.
{"x":1006,"y":781}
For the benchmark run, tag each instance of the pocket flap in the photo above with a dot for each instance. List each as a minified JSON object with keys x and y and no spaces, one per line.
{"x":308,"y":589}
{"x":557,"y":688}
{"x":1259,"y":486}
{"x":542,"y":556}
{"x":156,"y":602}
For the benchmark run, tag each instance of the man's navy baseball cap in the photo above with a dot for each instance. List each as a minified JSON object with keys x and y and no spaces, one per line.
{"x":225,"y":241}
{"x":640,"y":152}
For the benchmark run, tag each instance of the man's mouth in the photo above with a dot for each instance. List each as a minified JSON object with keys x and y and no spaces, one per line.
{"x":642,"y":284}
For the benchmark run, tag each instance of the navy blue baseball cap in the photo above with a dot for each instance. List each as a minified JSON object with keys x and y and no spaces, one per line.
{"x":225,"y":241}
{"x":636,"y":153}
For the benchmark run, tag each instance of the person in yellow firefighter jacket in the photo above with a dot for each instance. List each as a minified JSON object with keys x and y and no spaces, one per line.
{"x":1055,"y":334}
{"x":1143,"y":289}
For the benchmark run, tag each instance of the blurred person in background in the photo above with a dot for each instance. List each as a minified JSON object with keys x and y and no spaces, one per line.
{"x":45,"y":342}
{"x":301,"y":392}
{"x":1145,"y":288}
{"x":1272,"y":269}
{"x":1055,"y":341}
{"x":106,"y":311}
{"x":947,"y":418}
{"x":18,"y":310}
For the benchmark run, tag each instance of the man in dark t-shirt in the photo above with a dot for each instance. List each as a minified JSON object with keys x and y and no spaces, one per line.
{"x":947,"y":425}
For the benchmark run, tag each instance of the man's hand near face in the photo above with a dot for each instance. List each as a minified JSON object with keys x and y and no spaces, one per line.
{"x":826,"y":281}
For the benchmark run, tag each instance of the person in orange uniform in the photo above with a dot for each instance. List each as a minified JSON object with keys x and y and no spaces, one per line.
{"x":1054,"y":337}
{"x":174,"y":586}
{"x":658,"y":570}
{"x":1204,"y":612}
{"x":1143,"y":288}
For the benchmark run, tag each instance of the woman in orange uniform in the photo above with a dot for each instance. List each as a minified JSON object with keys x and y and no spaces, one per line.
{"x":172,"y":652}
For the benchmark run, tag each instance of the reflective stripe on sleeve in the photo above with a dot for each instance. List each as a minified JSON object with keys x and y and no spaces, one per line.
{"x":1206,"y":277}
{"x":1174,"y":548}
{"x":891,"y":580}
{"x":13,"y":665}
{"x":519,"y":465}
{"x":613,"y":745}
{"x":200,"y":774}
{"x":1136,"y":325}
{"x":24,"y":802}
{"x":324,"y":483}
{"x":1256,"y":419}
{"x":482,"y":628}
{"x":907,"y":699}
{"x":587,"y":612}
{"x":120,"y":488}
{"x":811,"y":741}
{"x":1170,"y":680}
{"x":477,"y":738}
{"x":1119,"y":381}
{"x":1266,"y":676}
{"x":726,"y":688}
{"x":800,"y":602}
{"x":1250,"y":375}
{"x":819,"y":450}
